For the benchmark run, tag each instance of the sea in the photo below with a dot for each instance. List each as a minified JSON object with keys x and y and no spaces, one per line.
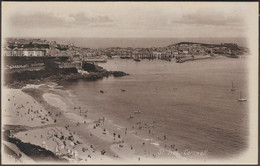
{"x":190,"y":103}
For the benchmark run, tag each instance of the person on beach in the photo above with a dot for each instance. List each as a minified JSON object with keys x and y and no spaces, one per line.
{"x":103,"y":152}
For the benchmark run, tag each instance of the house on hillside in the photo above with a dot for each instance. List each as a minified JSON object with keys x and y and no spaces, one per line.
{"x":37,"y":53}
{"x":157,"y":54}
{"x":13,"y":52}
{"x":19,"y":52}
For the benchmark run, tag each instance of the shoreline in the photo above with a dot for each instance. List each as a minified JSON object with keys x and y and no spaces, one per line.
{"x":70,"y":77}
{"x":116,"y":148}
{"x":121,"y":147}
{"x":53,"y":97}
{"x":100,"y":73}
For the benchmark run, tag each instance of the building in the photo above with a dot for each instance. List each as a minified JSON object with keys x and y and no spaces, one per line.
{"x":185,"y":52}
{"x":14,"y":52}
{"x":19,"y":52}
{"x":175,"y":53}
{"x":37,"y":53}
{"x":157,"y":54}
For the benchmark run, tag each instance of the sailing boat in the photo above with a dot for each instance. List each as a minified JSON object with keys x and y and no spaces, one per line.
{"x":130,"y":117}
{"x":241,"y":99}
{"x":232,"y":88}
{"x":137,"y":112}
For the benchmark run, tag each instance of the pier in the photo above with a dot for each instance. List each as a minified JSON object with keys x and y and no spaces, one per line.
{"x":185,"y":59}
{"x":96,"y":60}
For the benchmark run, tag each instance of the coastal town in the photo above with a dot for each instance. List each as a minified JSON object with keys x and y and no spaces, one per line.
{"x":42,"y":120}
{"x":37,"y":59}
{"x":44,"y":48}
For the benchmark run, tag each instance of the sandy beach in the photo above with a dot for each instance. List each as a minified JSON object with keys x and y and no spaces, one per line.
{"x":71,"y":133}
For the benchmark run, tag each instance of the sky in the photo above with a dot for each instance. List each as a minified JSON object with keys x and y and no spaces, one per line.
{"x":125,"y":19}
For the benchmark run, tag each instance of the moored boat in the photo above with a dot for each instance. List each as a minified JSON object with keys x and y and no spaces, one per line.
{"x":241,"y":99}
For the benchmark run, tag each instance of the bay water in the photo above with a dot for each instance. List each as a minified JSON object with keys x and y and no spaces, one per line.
{"x":190,"y":103}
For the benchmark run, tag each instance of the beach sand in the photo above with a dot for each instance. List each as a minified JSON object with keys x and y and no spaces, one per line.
{"x":21,"y":109}
{"x":78,"y":135}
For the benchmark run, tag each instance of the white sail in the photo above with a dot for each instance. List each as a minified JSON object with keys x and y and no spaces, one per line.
{"x":240,"y":98}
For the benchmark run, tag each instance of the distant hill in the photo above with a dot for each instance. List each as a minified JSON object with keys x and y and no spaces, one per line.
{"x":232,"y":46}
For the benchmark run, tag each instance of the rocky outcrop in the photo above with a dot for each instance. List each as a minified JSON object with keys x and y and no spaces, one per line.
{"x":119,"y":73}
{"x":89,"y":67}
{"x":51,"y":72}
{"x":37,"y":153}
{"x":97,"y":70}
{"x":12,"y":77}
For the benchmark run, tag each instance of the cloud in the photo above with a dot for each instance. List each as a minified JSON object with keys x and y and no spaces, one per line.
{"x":39,"y":20}
{"x":81,"y":18}
{"x":49,"y":20}
{"x":127,"y":19}
{"x":214,"y":18}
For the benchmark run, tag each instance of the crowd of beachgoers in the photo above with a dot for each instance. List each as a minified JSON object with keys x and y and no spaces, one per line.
{"x":74,"y":133}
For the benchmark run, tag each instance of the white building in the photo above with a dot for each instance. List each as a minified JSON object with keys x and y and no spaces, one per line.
{"x":34,"y":53}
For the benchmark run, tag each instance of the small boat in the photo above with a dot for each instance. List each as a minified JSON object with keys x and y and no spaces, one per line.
{"x":232,"y":88}
{"x":130,"y":117}
{"x":137,"y":112}
{"x":137,"y":60}
{"x":123,"y":90}
{"x":124,"y":57}
{"x":232,"y":56}
{"x":241,"y":99}
{"x":179,"y":60}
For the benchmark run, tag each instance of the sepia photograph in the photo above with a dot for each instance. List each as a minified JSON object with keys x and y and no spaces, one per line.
{"x":129,"y":82}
